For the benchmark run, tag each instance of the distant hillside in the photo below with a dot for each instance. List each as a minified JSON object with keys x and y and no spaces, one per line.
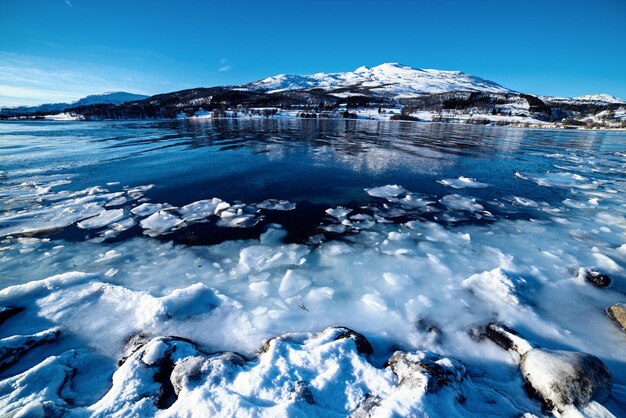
{"x":385,"y":92}
{"x":116,"y":97}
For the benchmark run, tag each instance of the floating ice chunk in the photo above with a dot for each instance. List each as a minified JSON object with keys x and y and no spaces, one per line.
{"x":116,"y":228}
{"x":362,"y":221}
{"x":201,"y":209}
{"x":160,"y":223}
{"x":606,"y":263}
{"x":336,"y":228}
{"x":395,"y":280}
{"x":123,"y":224}
{"x":561,"y":180}
{"x":103,"y":219}
{"x":111,"y":272}
{"x":391,"y":190}
{"x":320,"y":294}
{"x":334,"y":248}
{"x":462,"y":182}
{"x":274,"y":204}
{"x":222,"y":206}
{"x":374,"y":302}
{"x":109,"y":255}
{"x":116,"y":201}
{"x":263,"y":257}
{"x":231,"y":211}
{"x":575,"y":204}
{"x":49,"y":218}
{"x":458,"y":202}
{"x":140,"y":189}
{"x":523,"y":201}
{"x":492,"y":286}
{"x":263,"y":287}
{"x":412,"y":201}
{"x":147,"y":209}
{"x":339,"y":212}
{"x":238,"y":221}
{"x":612,"y":219}
{"x":292,"y":283}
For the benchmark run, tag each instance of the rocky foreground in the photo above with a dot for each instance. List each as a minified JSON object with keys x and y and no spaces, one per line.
{"x":331,"y":373}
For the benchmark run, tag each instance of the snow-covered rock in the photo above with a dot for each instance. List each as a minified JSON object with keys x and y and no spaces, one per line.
{"x":564,"y":378}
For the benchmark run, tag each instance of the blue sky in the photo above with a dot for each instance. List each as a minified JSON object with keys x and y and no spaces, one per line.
{"x":57,"y":50}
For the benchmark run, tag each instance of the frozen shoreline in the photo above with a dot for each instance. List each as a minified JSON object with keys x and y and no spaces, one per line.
{"x":417,"y":272}
{"x":369,"y":115}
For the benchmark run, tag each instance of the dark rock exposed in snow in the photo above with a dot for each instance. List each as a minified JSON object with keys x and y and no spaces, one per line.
{"x":7,"y":312}
{"x":366,"y":408}
{"x":12,"y":348}
{"x":362,"y":345}
{"x":507,"y":338}
{"x":186,"y":372}
{"x":595,"y":277}
{"x":426,"y":369}
{"x":302,"y":392}
{"x":617,"y":313}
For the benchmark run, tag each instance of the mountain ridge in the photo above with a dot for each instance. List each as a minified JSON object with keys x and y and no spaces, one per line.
{"x":389,"y":91}
{"x":110,"y":97}
{"x":388,"y":80}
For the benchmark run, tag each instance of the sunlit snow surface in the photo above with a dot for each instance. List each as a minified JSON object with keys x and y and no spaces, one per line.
{"x":227,"y":233}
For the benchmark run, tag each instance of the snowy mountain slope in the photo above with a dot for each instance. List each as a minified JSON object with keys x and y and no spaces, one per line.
{"x":390,"y":80}
{"x":587,"y":99}
{"x":115,"y":97}
{"x":607,"y":98}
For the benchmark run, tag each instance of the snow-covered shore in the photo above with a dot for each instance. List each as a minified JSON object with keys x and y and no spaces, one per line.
{"x":415,"y":286}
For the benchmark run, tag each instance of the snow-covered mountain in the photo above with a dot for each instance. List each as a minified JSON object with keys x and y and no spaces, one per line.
{"x":390,"y":80}
{"x":606,"y":98}
{"x":114,"y":97}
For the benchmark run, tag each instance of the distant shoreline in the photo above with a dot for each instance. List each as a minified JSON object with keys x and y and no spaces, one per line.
{"x":450,"y":121}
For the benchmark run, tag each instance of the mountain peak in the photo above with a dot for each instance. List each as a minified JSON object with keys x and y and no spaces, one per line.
{"x":390,"y":79}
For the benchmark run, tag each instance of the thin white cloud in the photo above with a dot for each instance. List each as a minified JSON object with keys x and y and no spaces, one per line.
{"x":224,"y":66}
{"x":69,"y":3}
{"x":27,"y":80}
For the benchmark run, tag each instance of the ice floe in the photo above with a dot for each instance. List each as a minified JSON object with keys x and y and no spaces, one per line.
{"x":391,"y":190}
{"x":160,"y":223}
{"x":459,"y":202}
{"x":103,"y":219}
{"x":275,"y":204}
{"x":462,"y":183}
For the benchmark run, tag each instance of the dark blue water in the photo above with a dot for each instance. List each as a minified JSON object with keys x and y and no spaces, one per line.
{"x":318,"y":164}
